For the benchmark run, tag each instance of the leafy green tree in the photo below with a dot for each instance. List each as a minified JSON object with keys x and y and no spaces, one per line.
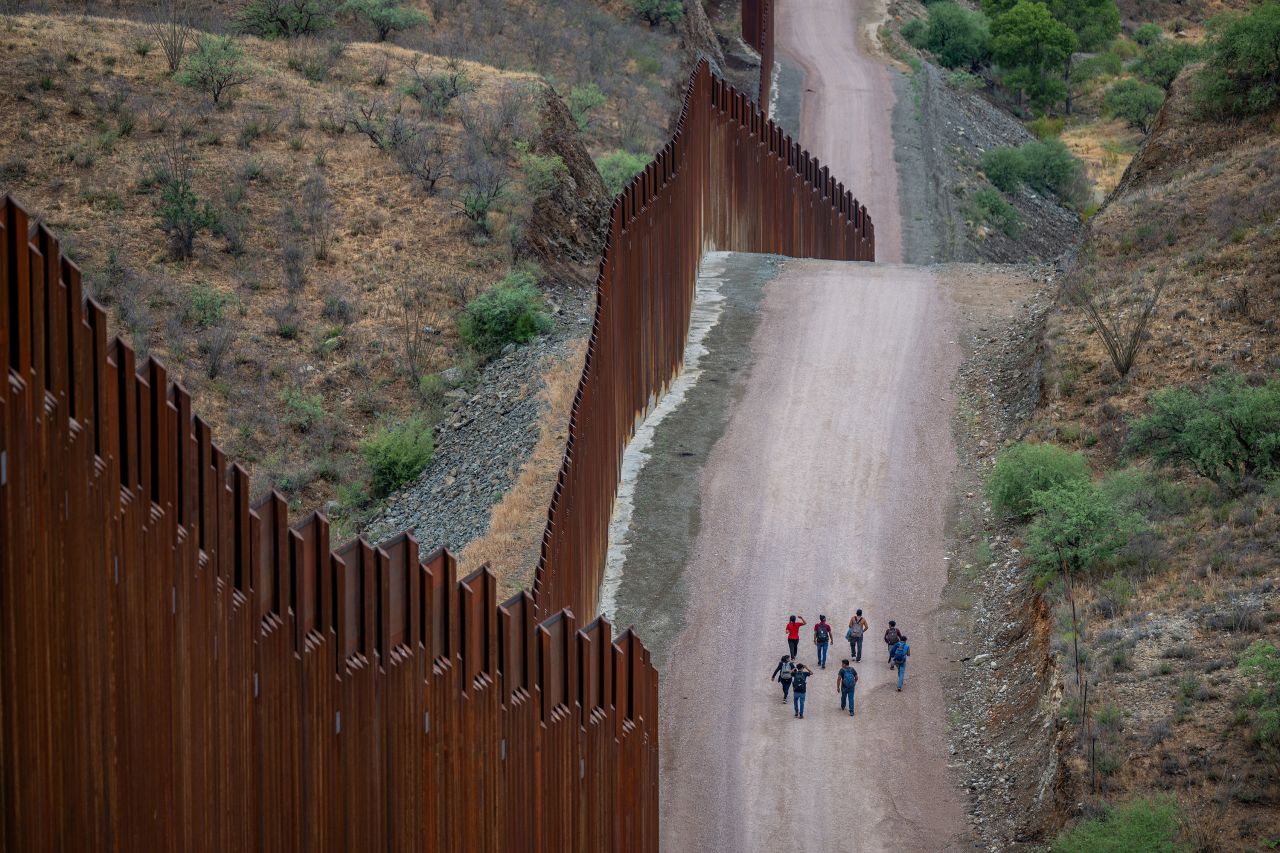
{"x":270,"y":19}
{"x":385,"y":16}
{"x":1161,"y":62}
{"x":1077,"y":529}
{"x":1026,"y":469}
{"x":582,"y":102}
{"x":1150,"y":826}
{"x":216,"y":66}
{"x":618,"y":168}
{"x":1030,"y":45}
{"x":1242,"y":64}
{"x":958,"y":37}
{"x":397,"y":453}
{"x":915,"y":31}
{"x":181,"y":215}
{"x":1136,"y":102}
{"x":657,"y":12}
{"x":513,"y":311}
{"x":1263,"y":659}
{"x":1228,"y":431}
{"x":1148,"y":34}
{"x":1094,"y":22}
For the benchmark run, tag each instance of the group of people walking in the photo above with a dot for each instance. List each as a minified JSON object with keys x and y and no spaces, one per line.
{"x":795,"y":676}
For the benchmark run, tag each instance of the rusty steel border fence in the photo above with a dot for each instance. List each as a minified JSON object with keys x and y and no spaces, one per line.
{"x":182,"y":670}
{"x":757,"y":32}
{"x":729,"y":179}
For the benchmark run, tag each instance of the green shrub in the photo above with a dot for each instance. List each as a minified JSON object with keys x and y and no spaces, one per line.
{"x":385,"y":16}
{"x":1102,"y":65}
{"x":1025,"y":469}
{"x":964,"y":81}
{"x":270,"y":19}
{"x":656,"y":12}
{"x":1003,"y":166}
{"x":960,"y":38}
{"x":1046,"y":127}
{"x":216,"y":66}
{"x":397,"y":453}
{"x":582,"y":102}
{"x":990,"y":208}
{"x":1114,"y":595}
{"x":511,"y":312}
{"x":1148,"y":34}
{"x":543,"y":173}
{"x":1262,"y":659}
{"x":915,"y":32}
{"x":1049,"y":166}
{"x":1146,"y":825}
{"x":618,"y":168}
{"x":205,"y":306}
{"x":1076,"y":527}
{"x":1135,"y":102}
{"x":182,"y":215}
{"x":1242,"y":63}
{"x":1031,"y":47}
{"x":302,"y":411}
{"x":1227,"y":430}
{"x":1161,"y":62}
{"x":1146,"y":492}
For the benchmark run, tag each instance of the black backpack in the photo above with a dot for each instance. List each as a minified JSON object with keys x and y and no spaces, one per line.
{"x":798,"y":680}
{"x":892,"y":636}
{"x":823,"y":633}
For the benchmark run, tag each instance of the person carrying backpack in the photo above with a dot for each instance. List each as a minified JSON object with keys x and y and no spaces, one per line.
{"x":899,"y":654}
{"x":793,"y":635}
{"x":800,"y":688}
{"x":857,"y":627}
{"x":891,"y":636}
{"x":782,"y":672}
{"x":822,"y":639}
{"x":846,"y":681}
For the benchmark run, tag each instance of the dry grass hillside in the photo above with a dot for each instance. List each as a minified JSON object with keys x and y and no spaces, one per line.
{"x":1163,"y":632}
{"x":329,"y":285}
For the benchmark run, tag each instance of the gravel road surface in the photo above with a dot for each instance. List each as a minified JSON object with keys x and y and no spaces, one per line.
{"x":826,"y":491}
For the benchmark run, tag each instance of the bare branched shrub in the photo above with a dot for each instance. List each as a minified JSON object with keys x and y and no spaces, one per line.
{"x":339,"y":305}
{"x":314,"y":58}
{"x":215,"y":344}
{"x":381,"y":68}
{"x":411,"y":297}
{"x":494,"y":127}
{"x":436,"y":92}
{"x":294,"y":261}
{"x":287,"y":319}
{"x":171,"y":28}
{"x":317,"y":208}
{"x":1120,"y":316}
{"x":425,"y":157}
{"x":387,"y":130}
{"x":484,"y":181}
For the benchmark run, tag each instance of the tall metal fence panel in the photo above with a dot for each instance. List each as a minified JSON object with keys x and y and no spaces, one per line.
{"x":730,"y":180}
{"x":182,"y":670}
{"x":757,"y":31}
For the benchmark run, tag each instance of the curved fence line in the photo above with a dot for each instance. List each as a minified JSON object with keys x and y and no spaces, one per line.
{"x":182,"y":670}
{"x":729,"y":179}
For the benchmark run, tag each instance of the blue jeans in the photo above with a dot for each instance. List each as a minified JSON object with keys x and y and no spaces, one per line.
{"x":822,"y":654}
{"x":855,"y":648}
{"x":798,"y":699}
{"x":902,"y":671}
{"x":847,"y":695}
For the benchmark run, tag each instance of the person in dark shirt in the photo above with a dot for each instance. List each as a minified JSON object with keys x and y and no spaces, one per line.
{"x":846,"y":683}
{"x":800,"y":688}
{"x":822,"y":639}
{"x":783,"y":672}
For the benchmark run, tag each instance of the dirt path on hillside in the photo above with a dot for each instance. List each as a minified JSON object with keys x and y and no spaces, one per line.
{"x":827,"y":492}
{"x":846,"y":118}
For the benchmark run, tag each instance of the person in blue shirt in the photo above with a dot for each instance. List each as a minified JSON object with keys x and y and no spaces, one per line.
{"x":899,"y":654}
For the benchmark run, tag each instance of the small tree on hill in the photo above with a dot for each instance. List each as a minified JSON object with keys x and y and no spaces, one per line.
{"x":215,"y":67}
{"x":659,"y":11}
{"x":1029,"y":45}
{"x":284,"y":18}
{"x":1242,"y":66}
{"x":385,"y":16}
{"x":1136,"y":102}
{"x":958,"y":37}
{"x":1094,"y":22}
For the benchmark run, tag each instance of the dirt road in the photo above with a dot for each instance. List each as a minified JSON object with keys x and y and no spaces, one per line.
{"x":826,"y":491}
{"x":846,"y":117}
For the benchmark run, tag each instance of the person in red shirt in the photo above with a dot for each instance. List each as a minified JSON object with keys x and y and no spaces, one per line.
{"x":793,"y":634}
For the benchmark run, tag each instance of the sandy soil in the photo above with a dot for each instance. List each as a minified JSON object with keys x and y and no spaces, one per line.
{"x":846,"y":119}
{"x":826,"y":493}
